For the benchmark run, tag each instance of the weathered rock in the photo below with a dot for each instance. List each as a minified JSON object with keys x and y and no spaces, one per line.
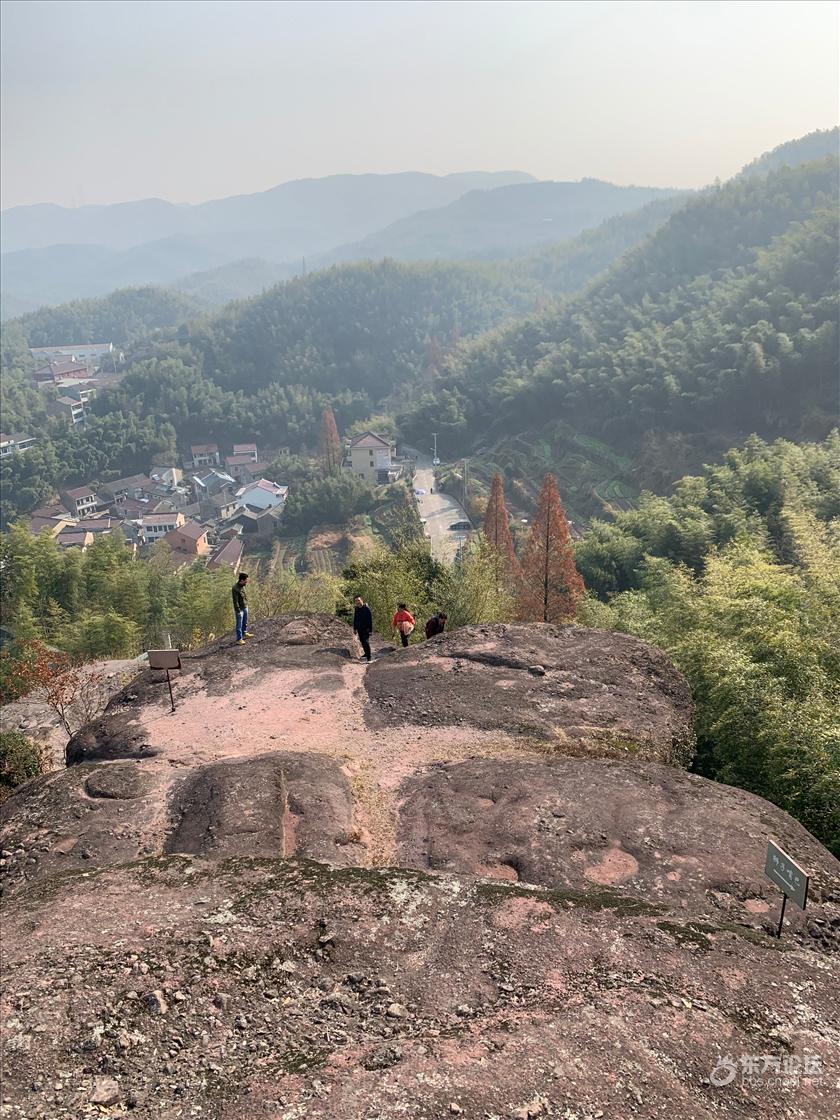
{"x":155,"y":1003}
{"x":277,"y":804}
{"x":200,"y":962}
{"x":105,"y":1091}
{"x":589,"y":691}
{"x":577,"y":823}
{"x":122,"y":783}
{"x":622,"y":1001}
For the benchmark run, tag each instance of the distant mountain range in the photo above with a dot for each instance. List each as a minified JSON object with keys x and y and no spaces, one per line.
{"x":235,"y":247}
{"x":306,"y":211}
{"x":52,"y":253}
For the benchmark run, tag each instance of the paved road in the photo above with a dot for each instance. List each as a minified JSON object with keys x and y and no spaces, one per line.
{"x":439,"y":510}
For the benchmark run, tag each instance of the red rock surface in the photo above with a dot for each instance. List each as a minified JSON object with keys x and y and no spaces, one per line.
{"x":204,"y":917}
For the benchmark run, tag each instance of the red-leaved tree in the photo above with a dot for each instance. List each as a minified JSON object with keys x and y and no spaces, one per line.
{"x":330,"y":443}
{"x":497,"y":532}
{"x":551,"y":586}
{"x":76,"y":692}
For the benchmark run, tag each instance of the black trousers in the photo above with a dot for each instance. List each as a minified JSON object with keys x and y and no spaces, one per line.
{"x":364,"y":638}
{"x":404,"y":639}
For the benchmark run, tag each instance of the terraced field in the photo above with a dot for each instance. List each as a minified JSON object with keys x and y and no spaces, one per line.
{"x":594,"y":479}
{"x":328,"y":548}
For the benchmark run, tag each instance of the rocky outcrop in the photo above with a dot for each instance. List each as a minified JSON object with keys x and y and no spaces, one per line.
{"x":652,"y":832}
{"x":467,"y":881}
{"x":586,"y":691}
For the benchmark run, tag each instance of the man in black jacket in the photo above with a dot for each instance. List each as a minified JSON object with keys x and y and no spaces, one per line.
{"x":240,"y":609}
{"x":436,"y":624}
{"x":363,"y":625}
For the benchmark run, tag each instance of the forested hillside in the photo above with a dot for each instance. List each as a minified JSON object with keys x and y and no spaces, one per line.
{"x":737,"y":576}
{"x":723,"y":323}
{"x":352,"y":337}
{"x":824,"y":142}
{"x":500,"y":223}
{"x":567,"y":266}
{"x":126,"y":318}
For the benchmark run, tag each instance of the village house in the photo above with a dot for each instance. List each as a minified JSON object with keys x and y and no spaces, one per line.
{"x":135,"y":486}
{"x":72,"y":409}
{"x":188,"y":541}
{"x":10,"y":445}
{"x":73,"y":538}
{"x":168,"y":483}
{"x":249,"y":521}
{"x":214,"y":482}
{"x":57,"y":509}
{"x":131,"y":508}
{"x":157,"y":525}
{"x":241,"y":467}
{"x":72,"y":403}
{"x":204,"y":455}
{"x":79,"y":501}
{"x":227,"y":555}
{"x":96,"y":525}
{"x":218,"y":506}
{"x":55,"y":372}
{"x":262,"y":495}
{"x":249,"y":449}
{"x":52,"y":526}
{"x":179,"y":497}
{"x":371,"y":457}
{"x":92,"y":353}
{"x":169,"y":477}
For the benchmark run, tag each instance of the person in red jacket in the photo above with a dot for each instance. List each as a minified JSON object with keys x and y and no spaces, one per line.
{"x":403,"y":623}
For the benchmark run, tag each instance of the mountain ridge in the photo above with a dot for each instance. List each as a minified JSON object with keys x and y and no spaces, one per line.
{"x":218,"y":214}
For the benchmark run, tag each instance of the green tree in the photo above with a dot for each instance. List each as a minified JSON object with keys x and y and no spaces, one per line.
{"x":470,"y":591}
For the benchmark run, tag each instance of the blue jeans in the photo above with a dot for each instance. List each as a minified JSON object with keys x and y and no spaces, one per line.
{"x":241,"y":623}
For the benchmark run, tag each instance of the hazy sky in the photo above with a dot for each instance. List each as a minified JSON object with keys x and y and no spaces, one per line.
{"x":106,"y":100}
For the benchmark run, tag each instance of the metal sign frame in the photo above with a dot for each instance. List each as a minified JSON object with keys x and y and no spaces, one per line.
{"x":165,"y":659}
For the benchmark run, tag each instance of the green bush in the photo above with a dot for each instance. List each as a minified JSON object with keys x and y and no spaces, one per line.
{"x":20,"y":760}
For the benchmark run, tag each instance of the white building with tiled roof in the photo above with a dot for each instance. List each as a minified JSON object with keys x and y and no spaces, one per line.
{"x":371,"y":457}
{"x":261,"y":495}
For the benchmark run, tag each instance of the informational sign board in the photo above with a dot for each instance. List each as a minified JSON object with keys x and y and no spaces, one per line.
{"x":786,"y":873}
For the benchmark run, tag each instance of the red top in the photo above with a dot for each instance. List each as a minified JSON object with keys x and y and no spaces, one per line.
{"x":402,"y":616}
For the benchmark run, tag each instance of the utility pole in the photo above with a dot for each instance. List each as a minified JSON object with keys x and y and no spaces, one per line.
{"x":434,"y":449}
{"x":466,"y":482}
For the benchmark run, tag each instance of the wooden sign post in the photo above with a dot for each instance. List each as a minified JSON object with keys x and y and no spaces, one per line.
{"x":791,"y":879}
{"x":165,"y":659}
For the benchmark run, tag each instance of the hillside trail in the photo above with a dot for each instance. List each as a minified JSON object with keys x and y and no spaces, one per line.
{"x":295,"y":710}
